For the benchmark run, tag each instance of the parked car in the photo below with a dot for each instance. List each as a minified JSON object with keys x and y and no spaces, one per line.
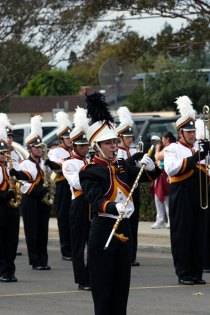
{"x":148,"y":126}
{"x":51,"y":139}
{"x":155,"y":126}
{"x":21,"y":131}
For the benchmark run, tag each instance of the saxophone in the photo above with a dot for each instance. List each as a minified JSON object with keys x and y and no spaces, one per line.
{"x":48,"y":183}
{"x":14,"y":185}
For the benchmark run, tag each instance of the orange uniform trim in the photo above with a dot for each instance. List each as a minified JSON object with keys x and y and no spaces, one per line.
{"x":184,"y":165}
{"x":59,"y":178}
{"x":179,"y":178}
{"x":78,"y":193}
{"x":36,"y":182}
{"x":29,"y":175}
{"x":97,"y":132}
{"x":104,"y":206}
{"x":4,"y":184}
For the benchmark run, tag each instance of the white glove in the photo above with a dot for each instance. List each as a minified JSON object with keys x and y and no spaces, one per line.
{"x":148,"y":162}
{"x":127,"y":212}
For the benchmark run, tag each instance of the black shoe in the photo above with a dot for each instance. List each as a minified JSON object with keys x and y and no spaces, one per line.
{"x":5,"y":278}
{"x":206,"y":270}
{"x":38,"y":267}
{"x":18,"y":253}
{"x":46,"y":267}
{"x":199,"y":281}
{"x":135,"y":264}
{"x":13,"y":279}
{"x":85,"y":287}
{"x":67,"y":258}
{"x":186,"y":282}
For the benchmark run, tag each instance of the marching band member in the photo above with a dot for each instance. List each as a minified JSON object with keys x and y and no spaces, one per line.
{"x":56,"y":156}
{"x":4,"y":121}
{"x":181,"y":160}
{"x":79,"y":211}
{"x":125,"y":151}
{"x":9,"y":218}
{"x":35,"y":212}
{"x":106,"y":183}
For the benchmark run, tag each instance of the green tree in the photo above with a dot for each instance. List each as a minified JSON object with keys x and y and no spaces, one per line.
{"x":52,"y":82}
{"x":55,"y":26}
{"x":15,"y":56}
{"x":162,"y":90}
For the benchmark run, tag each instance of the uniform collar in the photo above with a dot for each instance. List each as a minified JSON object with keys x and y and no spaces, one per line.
{"x":103,"y":162}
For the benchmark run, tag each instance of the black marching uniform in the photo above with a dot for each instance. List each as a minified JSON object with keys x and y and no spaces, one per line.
{"x":79,"y":220}
{"x":35,"y":212}
{"x":186,"y":215}
{"x":9,"y":228}
{"x":56,"y":156}
{"x":105,"y":185}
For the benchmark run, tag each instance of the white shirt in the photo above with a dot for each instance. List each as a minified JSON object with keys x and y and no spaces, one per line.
{"x":30,"y":169}
{"x":71,"y":170}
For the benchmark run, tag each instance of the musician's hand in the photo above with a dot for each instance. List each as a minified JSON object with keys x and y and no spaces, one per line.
{"x":13,"y":172}
{"x":127,"y":212}
{"x":47,"y":162}
{"x":206,"y":147}
{"x":148,"y":162}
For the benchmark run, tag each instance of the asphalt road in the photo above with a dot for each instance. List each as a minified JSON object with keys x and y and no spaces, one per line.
{"x":154,"y":289}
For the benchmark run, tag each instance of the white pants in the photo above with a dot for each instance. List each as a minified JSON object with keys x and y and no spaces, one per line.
{"x":162,"y":210}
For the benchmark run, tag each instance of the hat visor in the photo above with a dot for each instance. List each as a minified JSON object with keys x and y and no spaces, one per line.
{"x":127,"y":135}
{"x":80,"y":142}
{"x":39,"y":145}
{"x":188,"y":129}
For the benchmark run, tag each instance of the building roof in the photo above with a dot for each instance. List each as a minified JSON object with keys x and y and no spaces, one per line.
{"x":23,"y":104}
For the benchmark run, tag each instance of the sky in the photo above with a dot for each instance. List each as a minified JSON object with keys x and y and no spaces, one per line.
{"x":146,"y":26}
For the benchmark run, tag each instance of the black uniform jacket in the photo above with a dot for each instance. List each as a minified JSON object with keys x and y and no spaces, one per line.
{"x":99,"y":182}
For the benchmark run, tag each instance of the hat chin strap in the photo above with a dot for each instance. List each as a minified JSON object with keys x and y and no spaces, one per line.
{"x":102,"y":153}
{"x":182,"y":131}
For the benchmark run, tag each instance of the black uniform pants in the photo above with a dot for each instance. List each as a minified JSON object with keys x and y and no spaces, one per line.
{"x":207,"y":238}
{"x":9,"y":230}
{"x":80,"y":226}
{"x":186,"y":229}
{"x":36,"y":220}
{"x":62,"y":207}
{"x":134,"y":222}
{"x":109,"y":269}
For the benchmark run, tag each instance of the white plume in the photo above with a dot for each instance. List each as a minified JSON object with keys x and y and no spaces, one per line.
{"x":80,"y":119}
{"x":4,"y":121}
{"x":201,"y":131}
{"x":62,"y":119}
{"x":3,"y":134}
{"x":125,"y":116}
{"x":36,"y":125}
{"x":184,"y":106}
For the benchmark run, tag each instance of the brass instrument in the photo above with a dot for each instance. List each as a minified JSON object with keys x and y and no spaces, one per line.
{"x":115,"y":227}
{"x":14,"y":185}
{"x":140,"y":145}
{"x":48,"y":183}
{"x":206,"y":119}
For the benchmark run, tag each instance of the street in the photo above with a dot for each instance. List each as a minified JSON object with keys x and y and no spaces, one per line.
{"x":154,"y":289}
